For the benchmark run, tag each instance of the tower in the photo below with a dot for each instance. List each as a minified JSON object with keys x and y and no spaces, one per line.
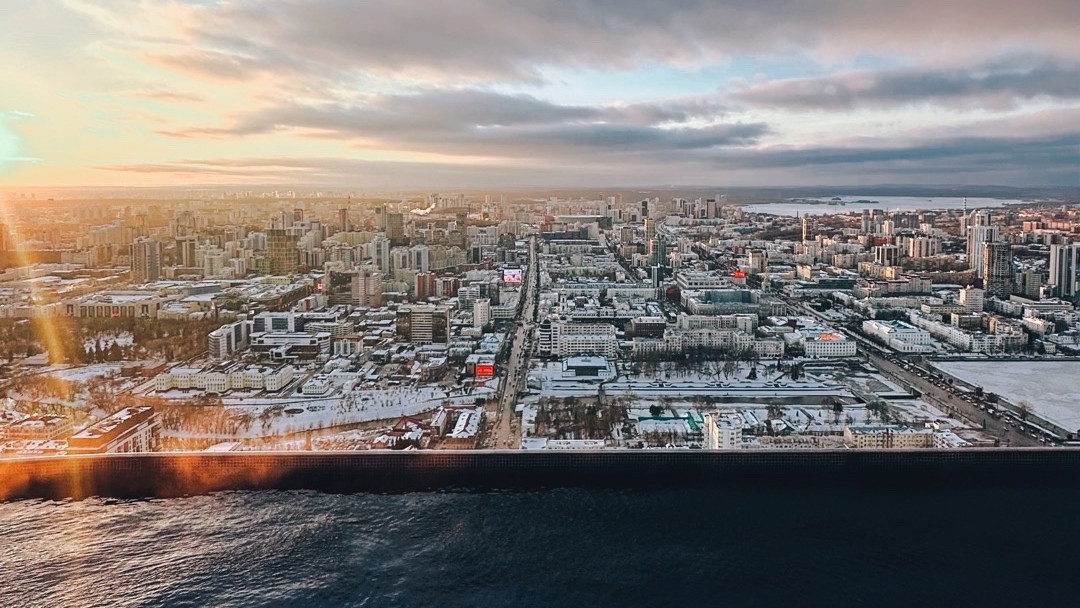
{"x":281,"y":251}
{"x":1064,"y":267}
{"x":145,"y":260}
{"x":997,"y":269}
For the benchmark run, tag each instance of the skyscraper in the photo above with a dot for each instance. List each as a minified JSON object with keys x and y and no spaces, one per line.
{"x":1064,"y":267}
{"x":997,"y":269}
{"x":976,"y":236}
{"x":395,"y":228}
{"x":380,"y":218}
{"x":185,"y":251}
{"x":145,"y":260}
{"x":281,"y":251}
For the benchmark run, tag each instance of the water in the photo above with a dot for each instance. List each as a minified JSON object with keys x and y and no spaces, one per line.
{"x":885,"y":203}
{"x":745,"y":545}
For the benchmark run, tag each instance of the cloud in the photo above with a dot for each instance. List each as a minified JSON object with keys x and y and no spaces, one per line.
{"x":168,"y":95}
{"x":470,"y":121}
{"x":1048,"y":159}
{"x":998,"y":84}
{"x":491,"y":40}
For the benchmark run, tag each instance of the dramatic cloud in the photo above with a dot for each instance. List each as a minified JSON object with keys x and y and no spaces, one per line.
{"x":417,"y":93}
{"x":1000,"y":84}
{"x":500,"y":39}
{"x":477,"y":122}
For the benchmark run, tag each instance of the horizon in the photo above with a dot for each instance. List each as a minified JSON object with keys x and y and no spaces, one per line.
{"x":407,"y":96}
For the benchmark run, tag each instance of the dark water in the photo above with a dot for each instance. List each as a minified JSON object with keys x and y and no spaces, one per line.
{"x":735,"y":545}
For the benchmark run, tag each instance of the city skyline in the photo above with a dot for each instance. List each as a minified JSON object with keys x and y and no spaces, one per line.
{"x":494,"y":94}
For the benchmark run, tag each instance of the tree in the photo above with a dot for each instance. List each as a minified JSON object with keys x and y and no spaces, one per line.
{"x":1025,"y":409}
{"x":655,"y":410}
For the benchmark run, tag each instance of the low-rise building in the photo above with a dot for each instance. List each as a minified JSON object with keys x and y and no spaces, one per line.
{"x":883,"y":436}
{"x":132,"y":429}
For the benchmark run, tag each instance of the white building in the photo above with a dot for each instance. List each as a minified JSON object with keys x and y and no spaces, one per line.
{"x":221,"y":379}
{"x":900,"y":336}
{"x":722,"y":433}
{"x":972,"y":299}
{"x":481,"y":313}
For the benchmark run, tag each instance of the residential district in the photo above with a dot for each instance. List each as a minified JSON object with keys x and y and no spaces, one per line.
{"x":320,"y":321}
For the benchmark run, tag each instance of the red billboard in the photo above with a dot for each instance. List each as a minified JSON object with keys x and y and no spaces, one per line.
{"x":485,"y":369}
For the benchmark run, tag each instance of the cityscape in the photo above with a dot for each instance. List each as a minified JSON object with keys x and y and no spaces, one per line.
{"x":631,"y":320}
{"x":534,"y":303}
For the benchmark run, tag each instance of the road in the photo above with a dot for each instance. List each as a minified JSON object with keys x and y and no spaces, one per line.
{"x":950,"y":399}
{"x":507,"y":428}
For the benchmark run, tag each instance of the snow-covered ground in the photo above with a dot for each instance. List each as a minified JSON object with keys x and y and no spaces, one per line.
{"x":87,"y":372}
{"x":276,"y":416}
{"x":1051,"y":387}
{"x":121,"y":339}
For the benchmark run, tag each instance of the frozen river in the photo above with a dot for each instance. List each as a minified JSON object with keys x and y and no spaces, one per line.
{"x":885,"y":203}
{"x":1051,"y":387}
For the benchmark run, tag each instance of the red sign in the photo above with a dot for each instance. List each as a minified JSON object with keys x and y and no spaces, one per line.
{"x":485,"y":369}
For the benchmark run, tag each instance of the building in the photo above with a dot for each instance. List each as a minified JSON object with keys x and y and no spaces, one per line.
{"x":972,"y":299}
{"x":424,"y":286}
{"x":884,"y":436}
{"x":722,"y":432}
{"x":976,"y":236}
{"x":132,"y":429}
{"x":423,"y":324}
{"x":228,"y":339}
{"x":1064,"y":268}
{"x":47,"y":428}
{"x":218,"y":379}
{"x":282,"y":255}
{"x":827,"y":344}
{"x":481,"y":313}
{"x":997,"y":270}
{"x":366,"y":288}
{"x":900,"y":336}
{"x":562,"y":338}
{"x":145,"y":260}
{"x":395,"y":228}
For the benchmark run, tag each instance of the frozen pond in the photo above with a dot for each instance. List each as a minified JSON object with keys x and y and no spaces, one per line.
{"x":1051,"y":387}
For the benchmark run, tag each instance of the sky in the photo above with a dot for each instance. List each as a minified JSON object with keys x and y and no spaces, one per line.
{"x":429,"y":93}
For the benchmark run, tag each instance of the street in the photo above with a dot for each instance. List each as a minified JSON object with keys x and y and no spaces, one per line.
{"x":507,"y":429}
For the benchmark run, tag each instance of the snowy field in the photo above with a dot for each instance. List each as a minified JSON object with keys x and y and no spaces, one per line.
{"x":1051,"y":387}
{"x":271,"y":417}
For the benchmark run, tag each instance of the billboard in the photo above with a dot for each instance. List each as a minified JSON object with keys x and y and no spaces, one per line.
{"x":485,"y":369}
{"x":512,"y":275}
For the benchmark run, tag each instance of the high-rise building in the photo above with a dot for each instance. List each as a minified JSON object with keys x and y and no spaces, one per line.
{"x":420,"y":258}
{"x":145,"y":260}
{"x":380,"y":218}
{"x":971,"y":298}
{"x":366,"y":288}
{"x":423,"y":323}
{"x":343,"y":219}
{"x":395,"y":228}
{"x":997,"y":269}
{"x":1064,"y":268}
{"x":481,"y":311}
{"x":185,"y":251}
{"x":887,"y":255}
{"x":281,"y":252}
{"x":976,"y":236}
{"x":380,"y":253}
{"x":425,"y":286}
{"x":1029,"y":284}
